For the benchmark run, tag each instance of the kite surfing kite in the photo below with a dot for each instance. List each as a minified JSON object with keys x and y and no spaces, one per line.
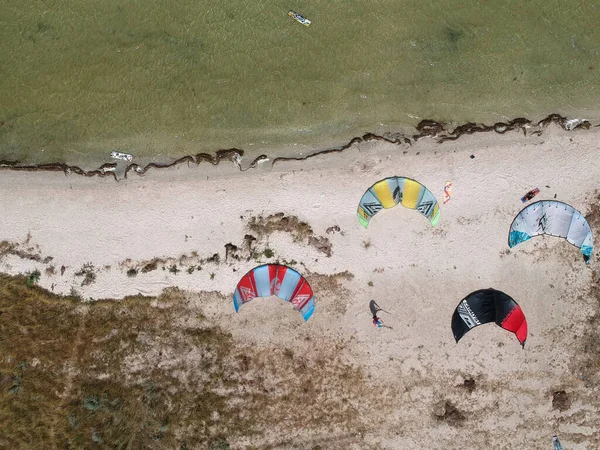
{"x":489,"y":305}
{"x":553,"y":218}
{"x":556,"y":442}
{"x":275,"y":279}
{"x":392,"y":191}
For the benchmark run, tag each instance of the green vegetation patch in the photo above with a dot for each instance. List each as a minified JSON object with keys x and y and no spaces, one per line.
{"x":74,"y":374}
{"x":156,"y":373}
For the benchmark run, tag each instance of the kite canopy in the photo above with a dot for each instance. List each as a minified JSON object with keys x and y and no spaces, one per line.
{"x":553,"y":218}
{"x":389,"y":192}
{"x":489,"y":305}
{"x":275,"y":279}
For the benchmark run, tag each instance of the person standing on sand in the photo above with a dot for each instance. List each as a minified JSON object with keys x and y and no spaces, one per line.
{"x":377,"y":322}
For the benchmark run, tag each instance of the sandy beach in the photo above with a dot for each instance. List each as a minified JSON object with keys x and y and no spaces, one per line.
{"x":407,"y":387}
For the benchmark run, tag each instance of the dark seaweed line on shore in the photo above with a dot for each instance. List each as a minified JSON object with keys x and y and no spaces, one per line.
{"x":425,"y":128}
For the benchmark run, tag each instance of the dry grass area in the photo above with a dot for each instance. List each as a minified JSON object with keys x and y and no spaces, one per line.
{"x":263,"y":226}
{"x":253,"y":247}
{"x":589,"y":354}
{"x":23,"y":250}
{"x":299,"y":230}
{"x":156,"y":373}
{"x":589,"y":364}
{"x":333,"y":287}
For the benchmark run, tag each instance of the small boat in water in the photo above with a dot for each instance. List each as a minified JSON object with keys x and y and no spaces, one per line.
{"x":297,"y":17}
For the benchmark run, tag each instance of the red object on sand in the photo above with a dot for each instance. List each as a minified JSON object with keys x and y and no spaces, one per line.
{"x":447,"y":192}
{"x":532,"y":193}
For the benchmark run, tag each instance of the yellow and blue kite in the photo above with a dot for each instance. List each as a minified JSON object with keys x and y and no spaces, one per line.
{"x":392,"y":191}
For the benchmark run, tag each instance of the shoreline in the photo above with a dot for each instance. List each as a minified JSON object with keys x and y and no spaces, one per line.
{"x":439,"y":131}
{"x":44,"y":197}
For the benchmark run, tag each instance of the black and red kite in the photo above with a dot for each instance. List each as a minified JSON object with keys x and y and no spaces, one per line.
{"x":489,"y":305}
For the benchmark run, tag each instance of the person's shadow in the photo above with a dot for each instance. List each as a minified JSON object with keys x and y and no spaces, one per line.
{"x":374,"y":307}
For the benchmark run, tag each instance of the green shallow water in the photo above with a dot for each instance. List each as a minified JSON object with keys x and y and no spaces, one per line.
{"x":160,"y":78}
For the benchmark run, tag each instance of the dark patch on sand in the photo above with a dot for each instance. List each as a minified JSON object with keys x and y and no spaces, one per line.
{"x":469,"y":384}
{"x":561,"y":400}
{"x":447,"y":412}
